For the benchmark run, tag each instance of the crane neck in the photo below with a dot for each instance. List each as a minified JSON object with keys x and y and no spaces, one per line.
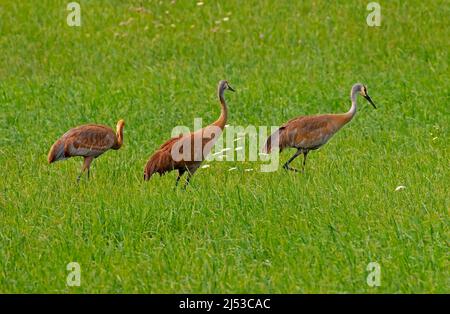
{"x":223,"y":109}
{"x":119,"y":134}
{"x":351,"y":113}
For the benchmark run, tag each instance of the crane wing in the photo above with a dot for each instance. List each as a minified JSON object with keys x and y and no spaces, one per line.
{"x":309,"y":131}
{"x":301,"y":132}
{"x":161,"y":161}
{"x":89,"y":140}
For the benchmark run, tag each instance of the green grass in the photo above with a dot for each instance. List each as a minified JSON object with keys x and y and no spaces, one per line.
{"x":231,"y":231}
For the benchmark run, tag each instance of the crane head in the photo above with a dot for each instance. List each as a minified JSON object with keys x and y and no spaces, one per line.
{"x":363,"y":92}
{"x":223,"y":85}
{"x":119,"y":126}
{"x":121,"y":123}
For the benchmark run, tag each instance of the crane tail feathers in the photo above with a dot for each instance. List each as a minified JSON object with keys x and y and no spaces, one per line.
{"x":56,"y":152}
{"x":273,"y":141}
{"x":149,"y":170}
{"x":161,"y":162}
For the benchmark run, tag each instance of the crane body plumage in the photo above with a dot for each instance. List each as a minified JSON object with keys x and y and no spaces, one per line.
{"x":163,"y":160}
{"x":88,"y":141}
{"x":306,"y":133}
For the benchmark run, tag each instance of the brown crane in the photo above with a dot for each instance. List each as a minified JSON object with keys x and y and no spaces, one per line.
{"x":306,"y":133}
{"x":88,"y":141}
{"x":187,"y":151}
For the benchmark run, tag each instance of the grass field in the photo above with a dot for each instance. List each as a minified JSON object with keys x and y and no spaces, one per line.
{"x":231,"y":231}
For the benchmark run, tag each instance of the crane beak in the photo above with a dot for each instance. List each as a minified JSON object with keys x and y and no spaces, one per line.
{"x":231,"y":88}
{"x":370,"y":100}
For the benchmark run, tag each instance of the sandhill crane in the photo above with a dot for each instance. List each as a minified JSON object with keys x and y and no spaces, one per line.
{"x":187,"y":151}
{"x":306,"y":133}
{"x":88,"y":141}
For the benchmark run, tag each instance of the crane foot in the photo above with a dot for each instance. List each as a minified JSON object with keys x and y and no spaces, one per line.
{"x":287,"y":167}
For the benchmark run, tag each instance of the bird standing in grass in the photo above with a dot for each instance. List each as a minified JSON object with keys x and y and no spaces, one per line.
{"x":306,"y":133}
{"x":187,"y":151}
{"x":88,"y":141}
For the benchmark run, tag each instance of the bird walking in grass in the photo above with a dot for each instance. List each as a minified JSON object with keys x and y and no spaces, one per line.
{"x":186,"y":152}
{"x":306,"y":133}
{"x":88,"y":141}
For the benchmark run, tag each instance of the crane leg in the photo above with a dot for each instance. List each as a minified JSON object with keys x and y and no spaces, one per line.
{"x":286,"y":165}
{"x":86,"y":165}
{"x":180,"y":174}
{"x":305,"y":153}
{"x":190,"y":174}
{"x":187,"y":181}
